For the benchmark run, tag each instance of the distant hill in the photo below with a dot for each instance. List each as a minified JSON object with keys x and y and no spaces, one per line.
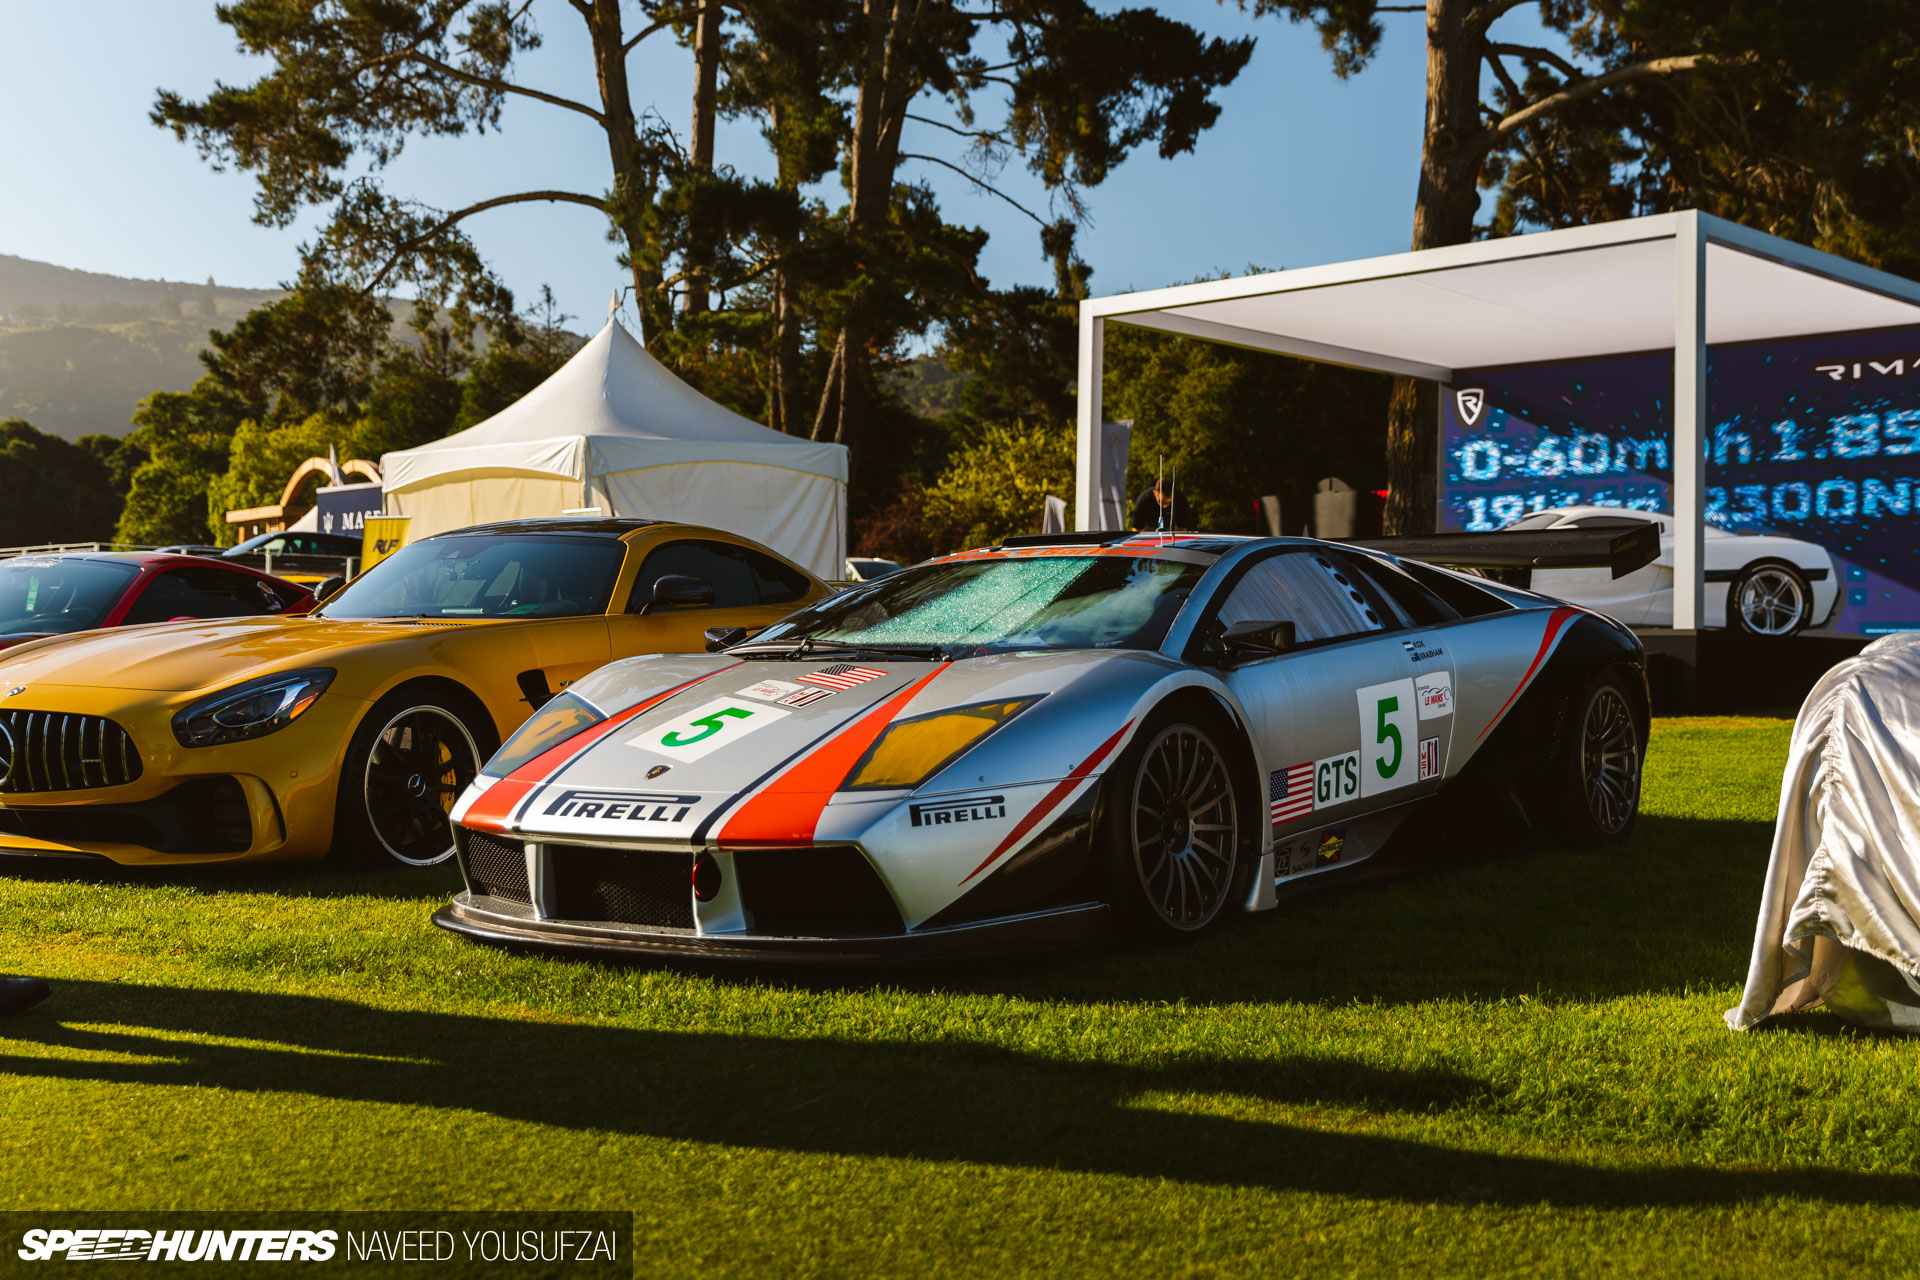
{"x":78,"y":349}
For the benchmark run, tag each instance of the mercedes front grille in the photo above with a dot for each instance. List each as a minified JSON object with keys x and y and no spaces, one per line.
{"x":54,"y":751}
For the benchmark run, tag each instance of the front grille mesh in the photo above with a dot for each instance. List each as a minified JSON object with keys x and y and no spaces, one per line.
{"x":55,"y":751}
{"x":495,"y":867}
{"x":623,"y":886}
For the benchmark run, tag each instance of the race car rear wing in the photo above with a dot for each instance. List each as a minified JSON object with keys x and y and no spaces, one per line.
{"x":1619,"y":550}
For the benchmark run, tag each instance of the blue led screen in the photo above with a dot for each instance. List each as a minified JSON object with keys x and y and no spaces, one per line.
{"x":1816,"y":439}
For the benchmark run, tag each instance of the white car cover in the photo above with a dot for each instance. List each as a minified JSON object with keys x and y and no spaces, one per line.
{"x":1840,"y":918}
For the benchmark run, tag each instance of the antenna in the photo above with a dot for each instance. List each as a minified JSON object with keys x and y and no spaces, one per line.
{"x":1160,"y":512}
{"x":1173,"y":495}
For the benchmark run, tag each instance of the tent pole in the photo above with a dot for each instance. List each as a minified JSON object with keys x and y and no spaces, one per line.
{"x":1689,"y":423}
{"x":1087,"y":477}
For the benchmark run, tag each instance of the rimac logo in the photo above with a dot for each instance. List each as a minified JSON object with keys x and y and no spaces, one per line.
{"x":1471,"y":402}
{"x":134,"y":1245}
{"x":619,"y":806}
{"x":937,"y":813}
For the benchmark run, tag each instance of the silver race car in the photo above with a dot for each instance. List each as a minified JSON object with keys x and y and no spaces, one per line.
{"x":1030,"y":743}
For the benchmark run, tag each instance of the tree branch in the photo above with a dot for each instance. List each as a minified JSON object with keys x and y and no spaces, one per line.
{"x":984,"y":135}
{"x":1532,"y":54}
{"x":1588,"y":88}
{"x":453,"y":219}
{"x":504,"y":86}
{"x":977,"y":181}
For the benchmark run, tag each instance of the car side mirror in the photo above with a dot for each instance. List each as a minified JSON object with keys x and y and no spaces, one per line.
{"x":678,"y":591}
{"x":327,"y":588}
{"x":719,"y":638}
{"x":1246,"y":641}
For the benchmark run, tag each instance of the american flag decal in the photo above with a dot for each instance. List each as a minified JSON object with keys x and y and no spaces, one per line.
{"x":1290,"y":793}
{"x":841,"y":676}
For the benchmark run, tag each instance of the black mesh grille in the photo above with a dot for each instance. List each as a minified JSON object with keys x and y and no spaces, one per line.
{"x":814,"y":892}
{"x":621,"y":886}
{"x":205,"y":815}
{"x":495,"y":867}
{"x":54,"y":751}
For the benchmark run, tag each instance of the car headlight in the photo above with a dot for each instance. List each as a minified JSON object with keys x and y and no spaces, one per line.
{"x":251,"y":710}
{"x":551,"y":725}
{"x":911,"y":751}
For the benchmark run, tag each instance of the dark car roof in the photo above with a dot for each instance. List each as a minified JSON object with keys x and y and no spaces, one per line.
{"x":156,"y":560}
{"x":592,"y":526}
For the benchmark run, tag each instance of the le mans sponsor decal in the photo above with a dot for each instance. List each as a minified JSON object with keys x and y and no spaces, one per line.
{"x":937,"y":813}
{"x":1433,"y":692}
{"x":1388,"y":739}
{"x":620,"y":806}
{"x":707,"y":728}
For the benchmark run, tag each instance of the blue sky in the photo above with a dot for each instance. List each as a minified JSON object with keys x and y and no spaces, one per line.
{"x":1302,"y":168}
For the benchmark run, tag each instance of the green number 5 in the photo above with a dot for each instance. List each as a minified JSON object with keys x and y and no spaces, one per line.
{"x":1388,"y":732}
{"x":710,"y":725}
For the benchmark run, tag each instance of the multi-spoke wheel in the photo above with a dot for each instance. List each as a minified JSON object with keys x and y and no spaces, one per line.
{"x":408,"y":763}
{"x":1604,"y":766}
{"x":1177,"y":823}
{"x":1770,"y":600}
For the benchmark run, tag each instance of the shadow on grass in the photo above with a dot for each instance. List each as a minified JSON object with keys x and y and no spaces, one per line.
{"x":288,"y":879}
{"x":1671,"y":911}
{"x":870,"y":1099}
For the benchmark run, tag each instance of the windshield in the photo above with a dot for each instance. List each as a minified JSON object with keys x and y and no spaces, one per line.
{"x":486,"y":576}
{"x":41,"y":597}
{"x":1050,"y":602}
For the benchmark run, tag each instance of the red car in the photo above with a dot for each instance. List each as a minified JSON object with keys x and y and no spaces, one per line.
{"x":55,"y":595}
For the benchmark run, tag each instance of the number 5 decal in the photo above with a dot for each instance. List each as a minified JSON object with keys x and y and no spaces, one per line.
{"x":1386,"y":727}
{"x":716,"y":725}
{"x":709,"y":725}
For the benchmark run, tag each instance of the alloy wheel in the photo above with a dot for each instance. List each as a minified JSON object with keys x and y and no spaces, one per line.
{"x":1610,"y":761}
{"x":1185,"y":828}
{"x":420,"y":763}
{"x":1772,"y":601}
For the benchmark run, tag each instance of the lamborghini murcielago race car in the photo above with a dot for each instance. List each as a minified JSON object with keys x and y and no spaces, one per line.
{"x":1015,"y":746}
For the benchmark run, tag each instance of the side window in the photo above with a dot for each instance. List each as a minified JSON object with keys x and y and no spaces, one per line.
{"x":1417,"y":606}
{"x":734,"y":585}
{"x":1319,"y":595}
{"x":202,"y":593}
{"x":1609,"y":522}
{"x":778,"y":584}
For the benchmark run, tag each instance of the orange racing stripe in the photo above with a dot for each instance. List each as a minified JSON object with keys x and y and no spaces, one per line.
{"x":1053,"y":798}
{"x":788,"y":809}
{"x":1555,"y":621}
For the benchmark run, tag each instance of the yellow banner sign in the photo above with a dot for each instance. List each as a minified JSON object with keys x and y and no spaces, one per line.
{"x":382,"y":536}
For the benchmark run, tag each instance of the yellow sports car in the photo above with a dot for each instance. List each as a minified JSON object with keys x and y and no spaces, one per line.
{"x":356,"y":727}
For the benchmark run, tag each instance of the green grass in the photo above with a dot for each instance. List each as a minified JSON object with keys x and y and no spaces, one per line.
{"x":1512,"y":1067}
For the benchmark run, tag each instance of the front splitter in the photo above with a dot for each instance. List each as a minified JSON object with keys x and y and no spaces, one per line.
{"x":1013,"y":935}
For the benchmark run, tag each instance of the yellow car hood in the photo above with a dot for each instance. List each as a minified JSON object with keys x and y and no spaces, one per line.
{"x":202,"y":654}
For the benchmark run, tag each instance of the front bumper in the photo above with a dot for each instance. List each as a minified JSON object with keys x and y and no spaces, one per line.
{"x":512,"y":924}
{"x":265,"y":798}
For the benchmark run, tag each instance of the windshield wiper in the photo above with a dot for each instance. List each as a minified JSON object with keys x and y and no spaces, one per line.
{"x":809,"y":646}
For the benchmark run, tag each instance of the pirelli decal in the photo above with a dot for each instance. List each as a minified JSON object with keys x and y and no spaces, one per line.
{"x":620,"y":806}
{"x":940,"y":813}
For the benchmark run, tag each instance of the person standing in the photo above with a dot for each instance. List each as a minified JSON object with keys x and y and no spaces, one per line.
{"x":1160,"y":507}
{"x":17,"y":995}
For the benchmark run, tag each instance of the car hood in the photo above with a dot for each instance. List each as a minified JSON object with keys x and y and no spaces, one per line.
{"x":190,"y":655}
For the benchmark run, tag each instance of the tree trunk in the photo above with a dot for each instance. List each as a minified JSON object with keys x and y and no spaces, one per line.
{"x":1443,"y":210}
{"x":633,"y":174}
{"x":873,"y":158}
{"x":706,"y":85}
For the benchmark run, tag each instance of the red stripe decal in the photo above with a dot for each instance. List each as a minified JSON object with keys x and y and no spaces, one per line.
{"x":1558,"y":619}
{"x":788,"y":809}
{"x":1053,"y":798}
{"x":496,"y":805}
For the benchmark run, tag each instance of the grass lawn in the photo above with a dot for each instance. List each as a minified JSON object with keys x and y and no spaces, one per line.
{"x":1511,"y":1067}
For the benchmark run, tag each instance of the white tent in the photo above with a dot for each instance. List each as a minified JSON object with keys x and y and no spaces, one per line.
{"x":614,"y":429}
